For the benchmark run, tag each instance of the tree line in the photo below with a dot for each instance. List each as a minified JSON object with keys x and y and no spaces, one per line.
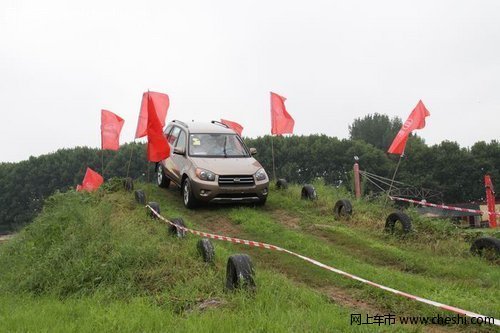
{"x":456,"y":171}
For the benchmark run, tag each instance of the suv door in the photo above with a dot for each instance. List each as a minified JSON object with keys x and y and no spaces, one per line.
{"x":169,"y":163}
{"x":179,"y":160}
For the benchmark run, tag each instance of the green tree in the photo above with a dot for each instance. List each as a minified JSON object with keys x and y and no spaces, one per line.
{"x":377,"y":129}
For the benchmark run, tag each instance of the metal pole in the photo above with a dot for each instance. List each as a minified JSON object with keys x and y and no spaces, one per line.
{"x":272,"y":154}
{"x":357,"y":185}
{"x":102,"y":162}
{"x":490,"y":199}
{"x":130,"y":158}
{"x":393,"y":176}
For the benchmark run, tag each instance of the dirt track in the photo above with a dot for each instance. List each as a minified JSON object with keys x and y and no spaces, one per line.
{"x":4,"y":238}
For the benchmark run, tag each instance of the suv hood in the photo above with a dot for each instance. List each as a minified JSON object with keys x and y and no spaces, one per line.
{"x":228,"y":166}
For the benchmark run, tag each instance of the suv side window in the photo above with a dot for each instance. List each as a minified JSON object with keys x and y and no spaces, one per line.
{"x":172,"y":136}
{"x":167,"y":130}
{"x":181,"y":142}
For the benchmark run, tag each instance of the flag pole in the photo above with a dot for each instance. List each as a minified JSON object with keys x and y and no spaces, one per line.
{"x":393,"y":177}
{"x":102,"y":162}
{"x":272,"y":154}
{"x":130,"y":159}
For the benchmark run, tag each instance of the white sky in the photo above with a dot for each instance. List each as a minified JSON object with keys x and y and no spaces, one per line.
{"x":61,"y":62}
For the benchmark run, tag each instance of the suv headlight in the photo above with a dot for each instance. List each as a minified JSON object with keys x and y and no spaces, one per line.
{"x":261,"y":174}
{"x":205,"y":174}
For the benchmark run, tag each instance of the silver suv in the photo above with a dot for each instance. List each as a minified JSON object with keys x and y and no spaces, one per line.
{"x":210,"y":163}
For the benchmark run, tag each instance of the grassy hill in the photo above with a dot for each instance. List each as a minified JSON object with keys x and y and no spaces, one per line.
{"x":96,"y":262}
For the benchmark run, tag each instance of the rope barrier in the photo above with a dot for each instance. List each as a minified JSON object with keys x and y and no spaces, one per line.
{"x":332,"y":269}
{"x":458,"y":209}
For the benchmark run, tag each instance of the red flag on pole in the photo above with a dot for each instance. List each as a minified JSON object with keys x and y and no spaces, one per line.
{"x":416,"y":120}
{"x":91,"y":182}
{"x":234,"y":126}
{"x":160,"y":103}
{"x":281,"y":121}
{"x":111,"y":126}
{"x":158,"y":148}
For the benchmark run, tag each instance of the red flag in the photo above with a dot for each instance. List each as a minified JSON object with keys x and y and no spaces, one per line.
{"x":234,"y":126}
{"x":161,"y":103}
{"x":91,"y":182}
{"x":158,"y":148}
{"x":281,"y":121}
{"x":111,"y":126}
{"x":416,"y":120}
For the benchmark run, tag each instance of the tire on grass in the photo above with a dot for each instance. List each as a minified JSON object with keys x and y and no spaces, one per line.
{"x":161,"y":180}
{"x":140,"y":197}
{"x":281,"y":184}
{"x":176,"y":229}
{"x":240,"y":272}
{"x":155,"y":206}
{"x":402,"y":218}
{"x":342,"y":208}
{"x":488,"y":247}
{"x":206,"y":250}
{"x":128,"y":184}
{"x":308,"y":192}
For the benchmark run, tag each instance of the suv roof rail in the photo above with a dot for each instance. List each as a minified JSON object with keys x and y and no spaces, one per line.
{"x":180,"y":122}
{"x":219,"y":123}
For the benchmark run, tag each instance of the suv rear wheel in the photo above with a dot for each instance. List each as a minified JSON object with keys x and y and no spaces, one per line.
{"x":161,"y":179}
{"x":187,"y":194}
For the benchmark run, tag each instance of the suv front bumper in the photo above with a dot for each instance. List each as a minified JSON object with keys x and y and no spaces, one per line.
{"x":213,"y":192}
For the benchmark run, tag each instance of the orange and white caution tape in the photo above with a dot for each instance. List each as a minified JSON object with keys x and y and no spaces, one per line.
{"x":332,"y":269}
{"x":458,"y":209}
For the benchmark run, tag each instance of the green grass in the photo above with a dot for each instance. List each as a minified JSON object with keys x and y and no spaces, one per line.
{"x":96,"y":262}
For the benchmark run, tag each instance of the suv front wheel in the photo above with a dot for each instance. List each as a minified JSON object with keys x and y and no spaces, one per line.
{"x":187,"y":194}
{"x":161,"y":179}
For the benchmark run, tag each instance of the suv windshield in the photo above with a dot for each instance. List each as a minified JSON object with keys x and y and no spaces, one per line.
{"x":216,"y":145}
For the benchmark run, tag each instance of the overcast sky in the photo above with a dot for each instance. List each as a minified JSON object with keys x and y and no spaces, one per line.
{"x":61,"y":62}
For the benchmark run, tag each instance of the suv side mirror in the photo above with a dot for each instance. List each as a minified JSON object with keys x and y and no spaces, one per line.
{"x":179,"y":151}
{"x":253,"y":151}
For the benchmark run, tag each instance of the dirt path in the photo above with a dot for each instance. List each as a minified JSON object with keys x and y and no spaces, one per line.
{"x":4,"y":238}
{"x":273,"y":262}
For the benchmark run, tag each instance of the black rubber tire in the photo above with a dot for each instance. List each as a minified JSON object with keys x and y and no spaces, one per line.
{"x":175,"y":230}
{"x":308,"y":192}
{"x":140,"y":197}
{"x":342,"y":208}
{"x":161,"y":180}
{"x":261,"y":202}
{"x":239,"y":272}
{"x":206,"y":250}
{"x":188,"y":198}
{"x":486,"y":244}
{"x":128,"y":184}
{"x":281,"y":184}
{"x":395,"y":217}
{"x":156,"y":207}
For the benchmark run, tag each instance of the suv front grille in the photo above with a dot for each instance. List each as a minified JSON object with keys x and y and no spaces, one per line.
{"x":237,"y":195}
{"x":236,"y":180}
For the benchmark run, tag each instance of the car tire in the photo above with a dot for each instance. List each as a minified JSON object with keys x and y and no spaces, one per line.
{"x":308,"y":192}
{"x":206,"y":250}
{"x":392,"y":219}
{"x":188,"y":198}
{"x":140,"y":197}
{"x":239,"y":272}
{"x":342,"y":208}
{"x":486,"y":246}
{"x":156,"y":207}
{"x":176,"y":229}
{"x":261,"y":202}
{"x":161,"y":179}
{"x":281,"y":184}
